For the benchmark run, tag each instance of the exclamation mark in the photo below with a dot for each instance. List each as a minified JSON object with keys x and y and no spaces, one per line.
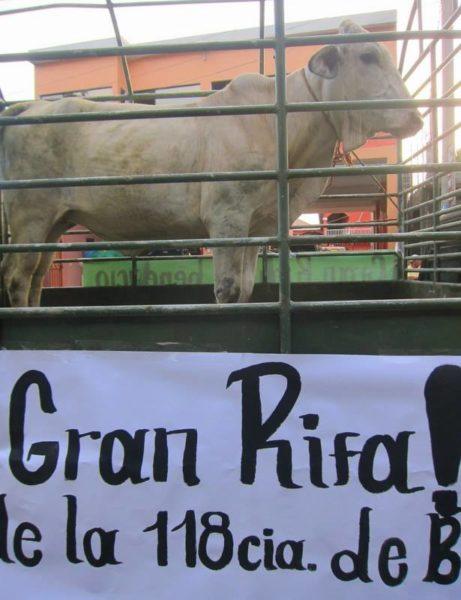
{"x":443,"y":406}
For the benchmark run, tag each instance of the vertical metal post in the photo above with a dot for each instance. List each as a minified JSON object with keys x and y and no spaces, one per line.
{"x":134,"y":271}
{"x":282,"y":179}
{"x":4,"y":239}
{"x":118,"y":37}
{"x":401,"y":214}
{"x":448,"y":7}
{"x":419,"y":12}
{"x":262,"y":6}
{"x":264,"y":264}
{"x":411,"y":18}
{"x":435,"y":158}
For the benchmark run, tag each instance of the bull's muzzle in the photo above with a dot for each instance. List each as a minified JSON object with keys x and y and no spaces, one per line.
{"x":412,"y":124}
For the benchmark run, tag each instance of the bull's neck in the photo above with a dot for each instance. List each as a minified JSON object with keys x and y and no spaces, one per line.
{"x":311,"y":139}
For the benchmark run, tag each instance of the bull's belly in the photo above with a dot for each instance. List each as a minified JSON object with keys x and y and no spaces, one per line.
{"x":145,"y":228}
{"x":138,"y":214}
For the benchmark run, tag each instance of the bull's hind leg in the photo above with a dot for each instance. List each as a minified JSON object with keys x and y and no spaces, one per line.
{"x":35,"y":292}
{"x":44,"y":264}
{"x":17,"y":275}
{"x":29,"y":223}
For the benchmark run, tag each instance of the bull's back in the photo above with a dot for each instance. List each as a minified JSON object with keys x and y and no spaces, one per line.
{"x":85,"y":149}
{"x":89,"y":149}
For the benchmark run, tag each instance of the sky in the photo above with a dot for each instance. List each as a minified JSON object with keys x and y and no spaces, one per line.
{"x":29,"y":31}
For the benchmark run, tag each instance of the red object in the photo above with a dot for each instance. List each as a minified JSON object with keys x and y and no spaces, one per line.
{"x":54,"y":276}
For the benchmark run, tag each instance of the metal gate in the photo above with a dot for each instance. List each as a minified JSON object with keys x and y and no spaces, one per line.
{"x":434,"y":236}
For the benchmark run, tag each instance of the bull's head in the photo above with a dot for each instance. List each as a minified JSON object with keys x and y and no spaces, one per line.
{"x":363,"y":71}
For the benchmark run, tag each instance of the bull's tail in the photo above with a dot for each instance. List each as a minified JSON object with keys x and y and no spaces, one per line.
{"x":12,"y":111}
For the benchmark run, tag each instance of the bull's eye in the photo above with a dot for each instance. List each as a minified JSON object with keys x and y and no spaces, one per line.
{"x":369,"y":58}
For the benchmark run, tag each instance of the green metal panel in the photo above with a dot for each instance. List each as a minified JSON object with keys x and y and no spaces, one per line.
{"x":378,"y":322}
{"x":404,"y":332}
{"x":366,"y":266}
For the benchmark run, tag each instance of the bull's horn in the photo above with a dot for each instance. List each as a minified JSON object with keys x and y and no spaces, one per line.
{"x":348,"y":26}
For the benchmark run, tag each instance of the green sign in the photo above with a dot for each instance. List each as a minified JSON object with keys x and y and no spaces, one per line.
{"x":198,"y":270}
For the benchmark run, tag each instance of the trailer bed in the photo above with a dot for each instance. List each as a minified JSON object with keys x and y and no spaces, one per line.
{"x":391,"y":317}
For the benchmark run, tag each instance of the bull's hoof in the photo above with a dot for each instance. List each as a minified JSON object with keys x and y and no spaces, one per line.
{"x":227,"y":291}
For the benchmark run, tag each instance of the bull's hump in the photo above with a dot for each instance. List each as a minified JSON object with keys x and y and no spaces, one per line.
{"x":73,"y":105}
{"x":249,"y":88}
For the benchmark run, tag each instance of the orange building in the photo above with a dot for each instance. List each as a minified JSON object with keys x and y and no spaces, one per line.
{"x":211,"y":70}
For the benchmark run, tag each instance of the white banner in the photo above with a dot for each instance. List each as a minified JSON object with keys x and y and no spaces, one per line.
{"x":169,"y":476}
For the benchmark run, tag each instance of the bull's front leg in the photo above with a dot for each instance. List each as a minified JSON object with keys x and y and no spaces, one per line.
{"x":227,"y":265}
{"x":228,"y":262}
{"x":248,"y":273}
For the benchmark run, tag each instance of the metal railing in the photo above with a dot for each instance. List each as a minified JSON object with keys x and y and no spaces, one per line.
{"x":435,"y":203}
{"x":282,"y":174}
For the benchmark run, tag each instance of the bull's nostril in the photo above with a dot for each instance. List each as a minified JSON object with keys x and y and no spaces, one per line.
{"x":228,"y":291}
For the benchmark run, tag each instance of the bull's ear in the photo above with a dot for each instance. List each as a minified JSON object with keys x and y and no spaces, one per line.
{"x":325,"y":62}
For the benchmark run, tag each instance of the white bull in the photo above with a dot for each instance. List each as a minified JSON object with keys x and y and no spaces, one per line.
{"x":188,"y":145}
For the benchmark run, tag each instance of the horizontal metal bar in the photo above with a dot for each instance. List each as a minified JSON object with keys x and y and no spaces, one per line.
{"x":148,"y":310}
{"x":374,"y":237}
{"x":432,"y":304}
{"x":439,"y":68}
{"x":222,"y":242}
{"x":135,"y":50}
{"x":412,"y":245}
{"x":225,"y":176}
{"x":141,"y":258}
{"x":374,"y":170}
{"x":78,"y":232}
{"x":349,"y":224}
{"x":176,"y":2}
{"x":435,"y":269}
{"x":353,"y":196}
{"x":166,"y":48}
{"x":139,"y":245}
{"x":431,"y":143}
{"x":135,"y":97}
{"x":361,"y":104}
{"x":137,"y":258}
{"x":85,"y":5}
{"x":420,"y":205}
{"x":138,"y":179}
{"x":435,"y":304}
{"x":139,"y":96}
{"x":443,"y":226}
{"x":127,"y":115}
{"x":413,"y":188}
{"x":448,"y":224}
{"x":58,"y":5}
{"x":357,"y":38}
{"x":448,"y":94}
{"x":202,"y":111}
{"x":443,"y":211}
{"x":439,"y":255}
